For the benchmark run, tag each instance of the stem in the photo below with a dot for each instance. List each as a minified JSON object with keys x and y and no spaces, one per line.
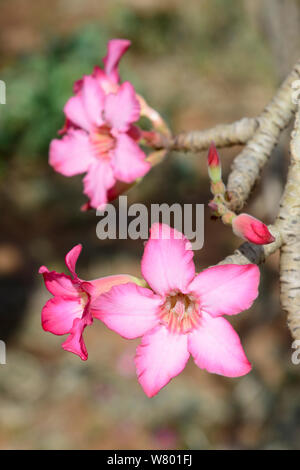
{"x":256,"y":254}
{"x":248,"y":164}
{"x":223,"y":135}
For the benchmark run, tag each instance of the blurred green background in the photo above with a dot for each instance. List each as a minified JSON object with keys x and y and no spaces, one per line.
{"x":200,"y":63}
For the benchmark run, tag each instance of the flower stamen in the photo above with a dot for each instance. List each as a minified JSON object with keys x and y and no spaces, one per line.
{"x":180,"y":313}
{"x":103,"y":142}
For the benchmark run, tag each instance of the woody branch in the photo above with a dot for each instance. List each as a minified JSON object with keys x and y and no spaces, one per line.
{"x":286,"y":230}
{"x":260,"y":135}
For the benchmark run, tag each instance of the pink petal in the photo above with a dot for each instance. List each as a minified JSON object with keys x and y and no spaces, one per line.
{"x":226,"y":289}
{"x":93,"y":100}
{"x":160,"y":357}
{"x":122,"y":108}
{"x":58,"y":283}
{"x":107,"y":85}
{"x":104,"y":284}
{"x":115,"y":50}
{"x":167,"y":264}
{"x":59,"y":313}
{"x":85,"y":109}
{"x":72,"y":154}
{"x":98,"y":180}
{"x":75,"y":343}
{"x":77,"y":86}
{"x":75,"y":111}
{"x":119,"y":188}
{"x":128,"y":309}
{"x":71,"y":259}
{"x":128,"y":160}
{"x":216,"y":347}
{"x":135,"y":133}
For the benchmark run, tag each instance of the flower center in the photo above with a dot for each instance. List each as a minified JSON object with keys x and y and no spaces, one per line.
{"x":103,"y":141}
{"x":83,"y":298}
{"x":180,"y":312}
{"x":86,"y":312}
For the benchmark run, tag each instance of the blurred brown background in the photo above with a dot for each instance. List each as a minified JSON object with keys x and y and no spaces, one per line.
{"x":200,"y":63}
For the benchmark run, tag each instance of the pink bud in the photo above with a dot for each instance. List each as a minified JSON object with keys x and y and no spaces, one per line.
{"x":214,"y":164}
{"x":251,"y":229}
{"x":213,"y":156}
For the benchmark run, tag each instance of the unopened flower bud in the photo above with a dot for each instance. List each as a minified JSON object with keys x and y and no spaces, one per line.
{"x":251,"y":229}
{"x":214,"y":164}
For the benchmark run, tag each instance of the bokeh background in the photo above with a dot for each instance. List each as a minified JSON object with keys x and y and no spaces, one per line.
{"x":200,"y":63}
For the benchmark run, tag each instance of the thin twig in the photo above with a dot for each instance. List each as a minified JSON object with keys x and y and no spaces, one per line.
{"x":256,"y":254}
{"x":223,"y":135}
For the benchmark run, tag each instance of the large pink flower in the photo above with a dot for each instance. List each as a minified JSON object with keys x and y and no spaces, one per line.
{"x":103,"y":143}
{"x":71,"y":308}
{"x":181,"y":312}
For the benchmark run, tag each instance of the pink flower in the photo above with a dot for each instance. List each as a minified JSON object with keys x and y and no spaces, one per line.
{"x":71,"y":308}
{"x":251,"y":229}
{"x":99,"y":137}
{"x":101,"y":141}
{"x":181,"y":313}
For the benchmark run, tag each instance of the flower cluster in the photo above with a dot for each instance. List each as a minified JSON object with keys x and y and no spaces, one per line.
{"x":177,"y":312}
{"x":100,"y":137}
